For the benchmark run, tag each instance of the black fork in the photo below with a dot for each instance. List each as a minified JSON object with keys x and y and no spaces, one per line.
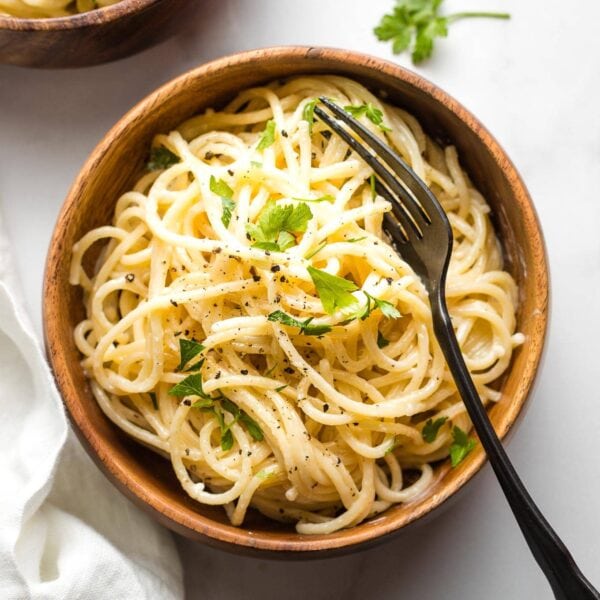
{"x":422,"y":233}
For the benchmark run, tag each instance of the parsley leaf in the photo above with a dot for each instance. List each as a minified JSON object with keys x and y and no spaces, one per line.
{"x":188,"y":349}
{"x":161,"y":158}
{"x":362,"y":312}
{"x":203,"y":403}
{"x":387,"y":308}
{"x":190,"y":386}
{"x":267,"y":137}
{"x":277,"y":225}
{"x":239,"y":415}
{"x":374,"y":114}
{"x":308,"y":112}
{"x":415,"y":24}
{"x":253,"y":427}
{"x":305,"y":327}
{"x":372,"y":183}
{"x":333,"y":291}
{"x":431,"y":428}
{"x":220,"y":188}
{"x":461,"y":447}
{"x":382,"y":342}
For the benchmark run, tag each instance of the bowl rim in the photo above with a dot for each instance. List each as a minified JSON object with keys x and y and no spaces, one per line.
{"x":237,"y":539}
{"x":92,"y":18}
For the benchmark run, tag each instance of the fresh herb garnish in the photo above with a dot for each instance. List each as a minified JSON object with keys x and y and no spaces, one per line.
{"x":334,"y":291}
{"x":308,"y":112}
{"x":431,"y":428}
{"x":281,"y":388}
{"x":277,"y":225}
{"x":239,"y":415}
{"x":153,"y":399}
{"x":325,"y":198}
{"x":416,"y":24}
{"x":267,"y":137}
{"x":316,"y":250}
{"x":220,"y":188}
{"x":190,"y":386}
{"x":382,"y":342}
{"x":358,"y":239}
{"x":372,"y":303}
{"x":461,"y":447}
{"x":374,"y":114}
{"x":188,"y":349}
{"x":305,"y":327}
{"x":372,"y":182}
{"x":161,"y":158}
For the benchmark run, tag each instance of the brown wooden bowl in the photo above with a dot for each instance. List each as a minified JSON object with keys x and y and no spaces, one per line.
{"x":117,"y":163}
{"x":92,"y":37}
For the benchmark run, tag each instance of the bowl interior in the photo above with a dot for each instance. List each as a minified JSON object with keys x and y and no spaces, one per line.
{"x":117,"y":163}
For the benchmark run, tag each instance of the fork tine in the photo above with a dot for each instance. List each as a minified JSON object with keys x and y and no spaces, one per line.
{"x":409,"y":228}
{"x":427,"y":204}
{"x":403,"y":195}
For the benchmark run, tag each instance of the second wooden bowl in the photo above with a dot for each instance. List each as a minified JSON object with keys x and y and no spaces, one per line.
{"x":117,"y":163}
{"x":90,"y":38}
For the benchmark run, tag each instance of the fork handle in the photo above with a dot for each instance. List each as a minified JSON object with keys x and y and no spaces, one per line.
{"x":564,"y":576}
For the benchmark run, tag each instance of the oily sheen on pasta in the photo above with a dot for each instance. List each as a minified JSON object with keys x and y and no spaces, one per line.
{"x":39,"y":9}
{"x":248,"y":319}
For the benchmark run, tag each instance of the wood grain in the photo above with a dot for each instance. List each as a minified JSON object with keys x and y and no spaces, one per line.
{"x":93,"y":37}
{"x":116,"y":164}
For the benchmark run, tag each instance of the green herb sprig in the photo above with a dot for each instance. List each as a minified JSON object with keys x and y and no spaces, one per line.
{"x":415,"y":24}
{"x":277,"y":226}
{"x":161,"y":158}
{"x":374,"y":114}
{"x":305,"y":327}
{"x":220,"y":188}
{"x":461,"y":447}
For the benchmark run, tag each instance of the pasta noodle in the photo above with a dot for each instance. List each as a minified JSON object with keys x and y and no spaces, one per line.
{"x":209,"y":339}
{"x":40,"y":9}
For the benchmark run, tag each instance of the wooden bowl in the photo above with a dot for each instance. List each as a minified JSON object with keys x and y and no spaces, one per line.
{"x":117,"y":163}
{"x":90,"y":38}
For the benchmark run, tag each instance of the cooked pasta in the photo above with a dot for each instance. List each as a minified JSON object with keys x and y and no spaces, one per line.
{"x":248,"y":319}
{"x":40,"y":9}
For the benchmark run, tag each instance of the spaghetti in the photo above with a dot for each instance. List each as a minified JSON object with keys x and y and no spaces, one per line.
{"x":215,"y":333}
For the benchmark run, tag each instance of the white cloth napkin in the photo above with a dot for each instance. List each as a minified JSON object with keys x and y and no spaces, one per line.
{"x":65,"y":532}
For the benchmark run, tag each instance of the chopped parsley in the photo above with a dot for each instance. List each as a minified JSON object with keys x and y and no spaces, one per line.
{"x":277,"y":226}
{"x":358,"y":239}
{"x":220,"y":188}
{"x":161,"y":158}
{"x":308,"y":112}
{"x":190,"y":386}
{"x":267,"y":137}
{"x":374,"y":114}
{"x":305,"y":327}
{"x":372,"y":182}
{"x":382,"y":342}
{"x":334,"y":291}
{"x":362,"y":312}
{"x":188,"y":349}
{"x":461,"y":447}
{"x":431,"y":428}
{"x":415,"y":24}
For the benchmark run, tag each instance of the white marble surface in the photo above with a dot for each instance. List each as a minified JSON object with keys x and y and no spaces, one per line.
{"x":534,"y":82}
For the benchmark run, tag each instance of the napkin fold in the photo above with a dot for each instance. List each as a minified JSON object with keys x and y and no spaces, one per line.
{"x":65,"y":532}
